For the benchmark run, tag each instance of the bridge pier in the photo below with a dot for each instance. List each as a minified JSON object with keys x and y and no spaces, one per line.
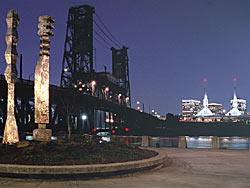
{"x":215,"y":142}
{"x":145,"y":141}
{"x":182,"y":143}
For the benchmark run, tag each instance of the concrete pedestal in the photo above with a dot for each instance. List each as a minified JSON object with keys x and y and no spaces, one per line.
{"x":42,"y":134}
{"x":216,"y":142}
{"x":182,"y":143}
{"x":145,"y":141}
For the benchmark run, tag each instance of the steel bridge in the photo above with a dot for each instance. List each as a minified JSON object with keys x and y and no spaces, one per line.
{"x":69,"y":102}
{"x":86,"y":100}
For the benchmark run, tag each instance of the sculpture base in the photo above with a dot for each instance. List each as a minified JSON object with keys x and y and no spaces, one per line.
{"x":42,"y":135}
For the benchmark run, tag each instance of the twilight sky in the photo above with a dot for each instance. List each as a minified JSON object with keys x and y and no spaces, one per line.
{"x":173,"y":45}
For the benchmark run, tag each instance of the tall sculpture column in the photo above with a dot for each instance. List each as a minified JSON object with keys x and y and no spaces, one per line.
{"x":10,"y":130}
{"x":42,"y":80}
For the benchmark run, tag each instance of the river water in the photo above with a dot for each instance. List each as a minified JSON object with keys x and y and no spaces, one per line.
{"x":202,"y":142}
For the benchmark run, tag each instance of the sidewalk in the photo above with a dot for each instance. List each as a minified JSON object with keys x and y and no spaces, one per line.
{"x":195,"y":168}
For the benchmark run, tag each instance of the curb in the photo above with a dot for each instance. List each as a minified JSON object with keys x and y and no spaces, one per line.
{"x":82,"y":171}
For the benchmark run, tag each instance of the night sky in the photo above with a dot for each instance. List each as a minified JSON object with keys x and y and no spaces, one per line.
{"x":173,"y":45}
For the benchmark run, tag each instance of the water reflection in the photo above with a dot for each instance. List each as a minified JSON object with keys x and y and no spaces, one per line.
{"x":202,"y":142}
{"x":199,"y":142}
{"x":234,"y":143}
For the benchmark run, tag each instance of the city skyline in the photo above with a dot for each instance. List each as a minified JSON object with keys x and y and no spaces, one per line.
{"x":216,"y":101}
{"x":172,"y":46}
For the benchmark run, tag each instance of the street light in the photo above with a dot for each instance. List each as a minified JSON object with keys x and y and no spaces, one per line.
{"x":119,"y":98}
{"x":84,"y":117}
{"x":93,"y":83}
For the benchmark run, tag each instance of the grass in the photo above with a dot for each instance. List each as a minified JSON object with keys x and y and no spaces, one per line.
{"x":75,"y":151}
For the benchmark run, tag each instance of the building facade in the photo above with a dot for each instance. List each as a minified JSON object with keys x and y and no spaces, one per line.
{"x":190,"y":107}
{"x":216,"y":108}
{"x":242,"y":106}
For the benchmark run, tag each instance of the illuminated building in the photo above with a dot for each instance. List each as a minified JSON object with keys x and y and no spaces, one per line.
{"x":216,"y":108}
{"x":205,"y":110}
{"x":190,"y":107}
{"x":238,"y":106}
{"x":242,"y":106}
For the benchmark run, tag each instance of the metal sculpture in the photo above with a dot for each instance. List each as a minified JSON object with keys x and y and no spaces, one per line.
{"x":10,"y":131}
{"x":41,"y":89}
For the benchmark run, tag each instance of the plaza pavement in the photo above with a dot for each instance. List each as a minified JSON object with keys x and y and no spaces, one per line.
{"x":199,"y":168}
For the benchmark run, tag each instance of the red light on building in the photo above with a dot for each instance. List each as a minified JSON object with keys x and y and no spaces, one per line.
{"x":204,"y":80}
{"x":234,"y":79}
{"x":126,"y":129}
{"x":80,"y":82}
{"x":94,"y":130}
{"x":113,"y":131}
{"x":80,"y":89}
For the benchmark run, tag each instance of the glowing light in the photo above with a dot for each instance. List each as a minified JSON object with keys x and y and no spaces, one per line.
{"x":80,"y":89}
{"x":126,"y":129}
{"x":138,"y":102}
{"x":111,"y":121}
{"x":65,"y":70}
{"x":234,"y":79}
{"x":119,"y":95}
{"x":80,"y":83}
{"x":94,"y":130}
{"x":75,"y":86}
{"x":113,"y":131}
{"x":204,"y":80}
{"x":93,"y":83}
{"x":107,"y":120}
{"x":83,"y":85}
{"x":138,"y":107}
{"x":84,"y":117}
{"x":106,"y":89}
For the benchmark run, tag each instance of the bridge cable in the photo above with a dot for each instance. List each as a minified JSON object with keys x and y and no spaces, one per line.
{"x":105,"y":46}
{"x":107,"y":29}
{"x":103,"y":39}
{"x":106,"y":35}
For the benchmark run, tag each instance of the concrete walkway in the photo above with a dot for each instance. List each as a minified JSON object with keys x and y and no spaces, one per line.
{"x":185,"y":168}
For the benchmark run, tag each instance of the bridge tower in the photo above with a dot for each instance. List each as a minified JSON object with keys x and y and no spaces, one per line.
{"x":120,"y":70}
{"x":78,"y":48}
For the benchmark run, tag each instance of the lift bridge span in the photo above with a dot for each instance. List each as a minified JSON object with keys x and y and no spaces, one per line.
{"x":86,"y":100}
{"x":70,"y":103}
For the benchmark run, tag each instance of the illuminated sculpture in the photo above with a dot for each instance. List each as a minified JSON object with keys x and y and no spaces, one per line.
{"x":41,"y":90}
{"x":10,"y":131}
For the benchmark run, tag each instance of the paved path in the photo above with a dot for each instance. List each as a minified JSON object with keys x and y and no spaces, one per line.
{"x":199,"y":168}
